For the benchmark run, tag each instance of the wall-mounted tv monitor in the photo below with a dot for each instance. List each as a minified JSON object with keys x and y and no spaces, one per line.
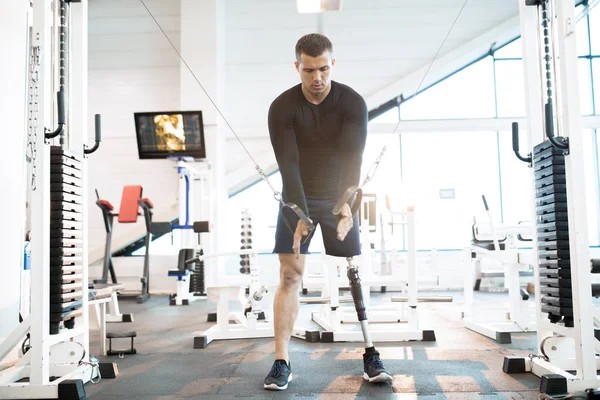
{"x":167,"y":134}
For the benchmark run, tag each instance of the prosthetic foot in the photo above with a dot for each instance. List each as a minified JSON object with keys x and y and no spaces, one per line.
{"x":374,"y":369}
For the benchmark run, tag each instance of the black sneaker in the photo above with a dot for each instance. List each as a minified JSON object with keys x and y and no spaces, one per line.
{"x":374,"y":368}
{"x":279,"y":376}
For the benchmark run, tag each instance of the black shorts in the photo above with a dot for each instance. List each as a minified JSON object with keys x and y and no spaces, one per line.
{"x":320,"y":213}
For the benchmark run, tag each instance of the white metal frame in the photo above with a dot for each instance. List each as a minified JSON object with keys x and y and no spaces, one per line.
{"x":52,"y":355}
{"x":236,"y":325}
{"x":187,"y":170}
{"x":521,"y":315}
{"x":387,"y":322}
{"x":567,"y":348}
{"x":243,"y":326}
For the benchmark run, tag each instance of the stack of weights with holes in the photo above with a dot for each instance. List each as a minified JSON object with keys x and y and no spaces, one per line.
{"x":197,"y":277}
{"x":246,"y":241}
{"x":553,"y":233}
{"x":66,"y":243}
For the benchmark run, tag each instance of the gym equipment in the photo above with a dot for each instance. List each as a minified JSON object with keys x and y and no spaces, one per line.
{"x":131,"y":202}
{"x":246,"y":324}
{"x":393,"y":322}
{"x":256,"y":301}
{"x":246,"y":241}
{"x":120,"y":335}
{"x":567,"y":320}
{"x":296,"y":211}
{"x":498,"y":245}
{"x":56,"y":361}
{"x":99,"y":297}
{"x":191,"y":278}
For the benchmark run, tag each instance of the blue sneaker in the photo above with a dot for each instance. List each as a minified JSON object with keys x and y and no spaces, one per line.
{"x":279,"y":377}
{"x":374,"y":369}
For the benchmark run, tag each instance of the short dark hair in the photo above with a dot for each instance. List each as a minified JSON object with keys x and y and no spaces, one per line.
{"x":313,"y":44}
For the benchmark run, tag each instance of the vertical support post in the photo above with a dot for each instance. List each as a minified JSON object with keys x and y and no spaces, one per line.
{"x":78,"y":134}
{"x":570,"y":112}
{"x":469,"y":274}
{"x":40,"y":201}
{"x":532,"y":70}
{"x":102,"y":322}
{"x":411,"y":250}
{"x":511,"y":281}
{"x":182,"y":201}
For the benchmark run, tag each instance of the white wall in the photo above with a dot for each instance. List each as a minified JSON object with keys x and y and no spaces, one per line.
{"x":131,"y":68}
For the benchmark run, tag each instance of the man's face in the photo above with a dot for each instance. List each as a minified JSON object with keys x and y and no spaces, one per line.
{"x":315,"y":72}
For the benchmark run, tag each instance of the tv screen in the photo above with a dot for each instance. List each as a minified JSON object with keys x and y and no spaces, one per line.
{"x":170,"y":134}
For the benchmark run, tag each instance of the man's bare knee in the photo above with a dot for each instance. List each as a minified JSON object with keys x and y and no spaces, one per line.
{"x":291,"y":269}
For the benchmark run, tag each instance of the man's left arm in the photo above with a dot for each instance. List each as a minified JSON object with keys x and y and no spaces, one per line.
{"x":352,"y":146}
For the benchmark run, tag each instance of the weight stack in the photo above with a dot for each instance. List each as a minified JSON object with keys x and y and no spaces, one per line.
{"x":246,"y":241}
{"x":66,"y":239}
{"x":197,"y":285}
{"x":553,"y":233}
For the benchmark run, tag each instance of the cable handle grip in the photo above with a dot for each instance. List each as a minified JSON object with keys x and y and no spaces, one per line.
{"x":60,"y":99}
{"x":485,"y":203}
{"x":346,"y":198}
{"x":515,"y":143}
{"x":98,"y":127}
{"x":515,"y":136}
{"x":98,"y":135}
{"x":61,"y":117}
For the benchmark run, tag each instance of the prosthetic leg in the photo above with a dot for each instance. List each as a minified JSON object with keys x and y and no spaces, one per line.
{"x":373,"y":366}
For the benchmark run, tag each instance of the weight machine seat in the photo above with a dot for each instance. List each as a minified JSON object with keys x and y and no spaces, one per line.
{"x":485,"y":244}
{"x":107,"y":204}
{"x":128,"y":212}
{"x":184,"y":255}
{"x":182,"y":267}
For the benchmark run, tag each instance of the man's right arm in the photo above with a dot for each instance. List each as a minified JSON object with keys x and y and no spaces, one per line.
{"x":283,"y":140}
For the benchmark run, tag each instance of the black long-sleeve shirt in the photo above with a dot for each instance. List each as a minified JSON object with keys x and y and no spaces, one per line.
{"x":319,"y":148}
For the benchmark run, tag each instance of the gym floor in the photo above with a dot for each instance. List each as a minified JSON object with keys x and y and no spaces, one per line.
{"x":461,"y":364}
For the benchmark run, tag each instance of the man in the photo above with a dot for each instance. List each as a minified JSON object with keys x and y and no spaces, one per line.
{"x":318,"y":130}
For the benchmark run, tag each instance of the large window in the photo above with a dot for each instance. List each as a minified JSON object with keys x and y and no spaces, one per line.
{"x":516,"y":180}
{"x":583,"y":39}
{"x":594,"y":24}
{"x":596,"y":78}
{"x":466,"y":94}
{"x":512,"y":50}
{"x":590,"y":164}
{"x":510,"y":88}
{"x":389,"y":116}
{"x":445,"y":176}
{"x":585,"y":87}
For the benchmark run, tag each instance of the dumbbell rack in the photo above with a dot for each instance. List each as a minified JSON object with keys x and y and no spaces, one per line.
{"x":66,"y":242}
{"x":246,"y":242}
